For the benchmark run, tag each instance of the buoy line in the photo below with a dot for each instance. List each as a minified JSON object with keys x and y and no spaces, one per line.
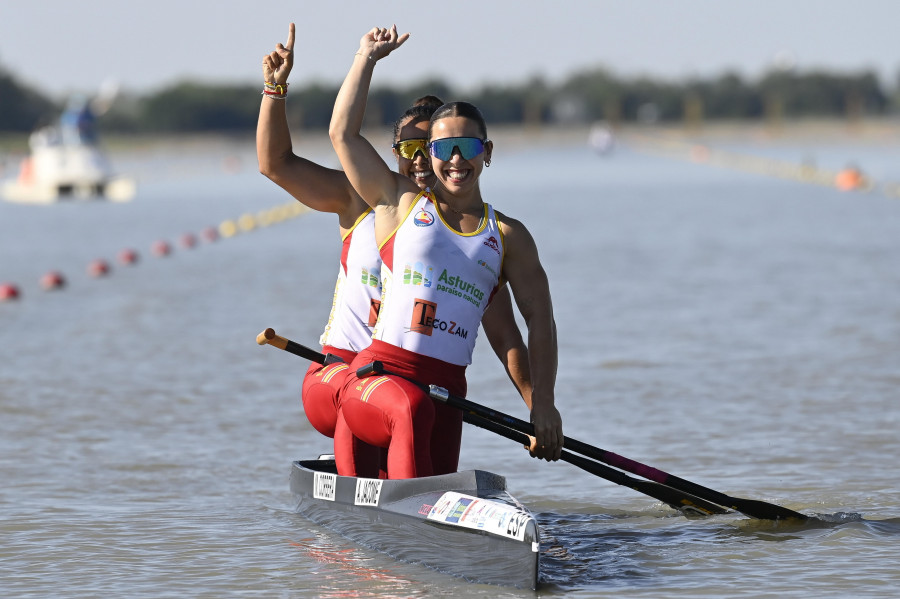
{"x":848,"y":179}
{"x":55,"y":280}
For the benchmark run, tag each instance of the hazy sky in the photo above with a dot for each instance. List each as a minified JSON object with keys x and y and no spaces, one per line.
{"x":65,"y":45}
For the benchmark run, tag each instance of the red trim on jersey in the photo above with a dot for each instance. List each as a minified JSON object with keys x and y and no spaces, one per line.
{"x":345,"y":249}
{"x":387,"y":252}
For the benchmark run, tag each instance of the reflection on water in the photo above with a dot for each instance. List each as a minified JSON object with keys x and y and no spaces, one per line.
{"x":345,"y":568}
{"x":729,"y":328}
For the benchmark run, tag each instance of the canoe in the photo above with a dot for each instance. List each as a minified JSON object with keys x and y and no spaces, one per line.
{"x":465,"y":524}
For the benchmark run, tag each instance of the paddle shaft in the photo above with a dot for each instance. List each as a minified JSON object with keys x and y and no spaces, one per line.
{"x":750,"y":507}
{"x":683,"y":502}
{"x":688,"y":505}
{"x":507,"y":426}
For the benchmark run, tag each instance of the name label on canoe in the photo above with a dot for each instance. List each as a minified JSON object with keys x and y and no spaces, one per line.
{"x":494,"y":517}
{"x":368,"y":490}
{"x":324,"y":485}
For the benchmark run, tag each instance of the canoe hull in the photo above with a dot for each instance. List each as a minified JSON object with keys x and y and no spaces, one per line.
{"x":464,"y":524}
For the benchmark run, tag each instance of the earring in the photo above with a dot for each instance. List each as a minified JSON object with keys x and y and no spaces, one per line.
{"x":487,"y":163}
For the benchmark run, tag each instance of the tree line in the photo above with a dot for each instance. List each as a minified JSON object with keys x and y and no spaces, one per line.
{"x":584,"y":97}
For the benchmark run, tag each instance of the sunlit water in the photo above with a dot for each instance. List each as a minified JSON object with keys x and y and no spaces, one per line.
{"x":739,"y":331}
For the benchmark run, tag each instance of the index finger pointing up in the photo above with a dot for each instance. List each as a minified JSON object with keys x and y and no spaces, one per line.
{"x":290,"y":41}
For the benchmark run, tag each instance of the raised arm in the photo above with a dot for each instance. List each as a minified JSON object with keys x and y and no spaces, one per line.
{"x":320,"y":188}
{"x":367,"y":172}
{"x":531,"y":289}
{"x":502,"y":331}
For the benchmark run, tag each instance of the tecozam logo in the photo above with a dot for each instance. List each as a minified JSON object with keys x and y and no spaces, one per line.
{"x":423,"y":317}
{"x":492,"y":243}
{"x":424,"y":321}
{"x":374,"y":308}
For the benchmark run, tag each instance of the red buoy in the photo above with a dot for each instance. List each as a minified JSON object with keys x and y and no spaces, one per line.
{"x":128,"y":256}
{"x":161,"y":248}
{"x":98,"y":268}
{"x":188,"y":240}
{"x":210,"y":234}
{"x":53,"y":280}
{"x":8,"y":291}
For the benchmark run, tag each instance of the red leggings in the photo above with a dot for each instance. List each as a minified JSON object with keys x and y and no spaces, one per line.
{"x":422,"y":435}
{"x":320,"y":403}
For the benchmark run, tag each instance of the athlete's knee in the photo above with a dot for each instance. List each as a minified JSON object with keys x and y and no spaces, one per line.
{"x":320,"y":406}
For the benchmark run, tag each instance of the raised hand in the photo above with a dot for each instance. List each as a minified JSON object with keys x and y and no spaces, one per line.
{"x":380,"y":41}
{"x":277,"y":65}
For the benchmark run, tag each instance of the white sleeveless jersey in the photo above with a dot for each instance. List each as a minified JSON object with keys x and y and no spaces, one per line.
{"x":436,"y":283}
{"x":357,"y":292}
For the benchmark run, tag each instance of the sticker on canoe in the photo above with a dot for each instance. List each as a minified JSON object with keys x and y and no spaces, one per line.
{"x":324,"y":485}
{"x":368,"y":490}
{"x":481,"y":514}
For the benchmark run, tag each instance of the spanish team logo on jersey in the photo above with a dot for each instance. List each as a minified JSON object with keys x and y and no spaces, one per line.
{"x":492,"y":243}
{"x":423,"y":219}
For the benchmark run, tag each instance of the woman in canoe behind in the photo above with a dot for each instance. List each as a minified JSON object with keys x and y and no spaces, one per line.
{"x":444,"y":254}
{"x":358,"y":289}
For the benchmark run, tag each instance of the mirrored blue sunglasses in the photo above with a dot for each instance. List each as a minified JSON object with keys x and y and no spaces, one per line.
{"x":469,"y":147}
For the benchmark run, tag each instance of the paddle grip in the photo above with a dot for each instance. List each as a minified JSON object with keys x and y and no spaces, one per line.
{"x":268,"y":337}
{"x":375,"y":367}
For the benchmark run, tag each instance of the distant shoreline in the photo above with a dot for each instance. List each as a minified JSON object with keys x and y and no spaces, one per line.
{"x":869,"y":129}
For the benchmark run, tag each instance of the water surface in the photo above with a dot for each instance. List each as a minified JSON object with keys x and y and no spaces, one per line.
{"x":736,"y":330}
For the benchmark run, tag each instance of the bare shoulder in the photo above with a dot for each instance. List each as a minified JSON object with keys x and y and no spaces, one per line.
{"x":393,"y":208}
{"x":407,"y":193}
{"x":515,"y":233}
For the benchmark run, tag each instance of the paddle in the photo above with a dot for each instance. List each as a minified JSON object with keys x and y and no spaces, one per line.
{"x":750,"y":507}
{"x":685,"y":503}
{"x":269,"y":337}
{"x":688,"y":505}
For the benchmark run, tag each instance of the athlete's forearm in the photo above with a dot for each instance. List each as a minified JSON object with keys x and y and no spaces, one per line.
{"x":543,"y":362}
{"x":350,"y":104}
{"x":273,"y":138}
